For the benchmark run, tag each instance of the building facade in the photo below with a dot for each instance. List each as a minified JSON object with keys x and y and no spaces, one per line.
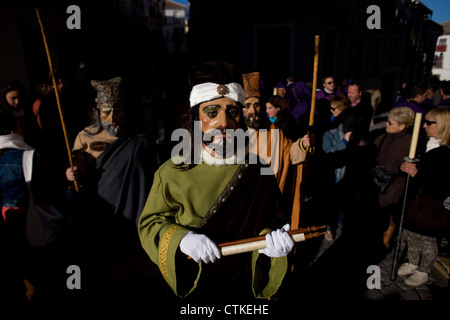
{"x":175,"y":27}
{"x":278,"y":39}
{"x":441,"y":67}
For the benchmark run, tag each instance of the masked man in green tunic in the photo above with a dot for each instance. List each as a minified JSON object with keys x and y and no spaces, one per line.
{"x":212,"y":192}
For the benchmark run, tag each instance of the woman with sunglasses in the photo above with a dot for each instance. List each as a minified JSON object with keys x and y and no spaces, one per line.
{"x":431,"y":181}
{"x":329,"y":88}
{"x":393,"y":146}
{"x":334,"y":140}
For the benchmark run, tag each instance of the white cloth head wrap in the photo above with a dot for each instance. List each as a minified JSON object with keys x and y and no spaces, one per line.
{"x":209,"y":91}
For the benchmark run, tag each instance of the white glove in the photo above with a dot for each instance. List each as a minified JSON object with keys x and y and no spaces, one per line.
{"x":199,"y":247}
{"x":278,"y":243}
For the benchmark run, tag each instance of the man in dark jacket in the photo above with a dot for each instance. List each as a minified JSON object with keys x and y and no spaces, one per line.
{"x":362,"y":109}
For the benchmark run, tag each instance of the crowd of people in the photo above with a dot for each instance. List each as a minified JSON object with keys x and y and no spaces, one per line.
{"x":142,"y":223}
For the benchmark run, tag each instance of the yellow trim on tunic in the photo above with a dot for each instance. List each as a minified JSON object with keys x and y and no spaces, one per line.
{"x":163,"y":249}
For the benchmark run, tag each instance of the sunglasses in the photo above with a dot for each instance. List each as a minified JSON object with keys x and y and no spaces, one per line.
{"x":391,"y":123}
{"x":332,"y":109}
{"x":429,"y":122}
{"x":330,"y":82}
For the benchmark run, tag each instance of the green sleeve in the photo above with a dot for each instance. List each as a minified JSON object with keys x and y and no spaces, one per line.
{"x":267,"y":274}
{"x":160,"y":236}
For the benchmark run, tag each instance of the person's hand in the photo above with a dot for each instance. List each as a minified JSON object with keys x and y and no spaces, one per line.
{"x":72,"y":174}
{"x":348,"y":136}
{"x":306,"y":141}
{"x":409,"y":168}
{"x":199,"y":247}
{"x":278,"y":243}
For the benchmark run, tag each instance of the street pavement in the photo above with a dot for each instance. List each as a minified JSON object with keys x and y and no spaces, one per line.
{"x":436,"y":288}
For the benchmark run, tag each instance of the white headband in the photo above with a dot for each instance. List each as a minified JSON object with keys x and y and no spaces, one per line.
{"x":209,"y":91}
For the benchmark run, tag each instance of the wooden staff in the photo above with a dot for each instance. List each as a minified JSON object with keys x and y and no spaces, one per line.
{"x":314,"y":84}
{"x":301,"y":176}
{"x":57,"y":96}
{"x":256,"y":243}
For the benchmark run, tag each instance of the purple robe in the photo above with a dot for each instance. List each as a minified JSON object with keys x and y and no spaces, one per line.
{"x":303,"y":101}
{"x":413,"y":105}
{"x":322,"y":94}
{"x":444,"y":103}
{"x":280,"y":85}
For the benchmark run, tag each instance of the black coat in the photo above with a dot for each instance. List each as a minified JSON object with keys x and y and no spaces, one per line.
{"x":286,"y":122}
{"x":433,"y":180}
{"x":125,"y":175}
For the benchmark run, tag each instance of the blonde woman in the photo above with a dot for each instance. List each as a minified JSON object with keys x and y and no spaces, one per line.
{"x":432,"y":177}
{"x":393,"y":146}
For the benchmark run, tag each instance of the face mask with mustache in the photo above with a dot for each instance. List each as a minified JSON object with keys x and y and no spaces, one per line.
{"x":252,"y":123}
{"x":114,"y":131}
{"x":221,"y":142}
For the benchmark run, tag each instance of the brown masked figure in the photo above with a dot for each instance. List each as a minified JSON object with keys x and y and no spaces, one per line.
{"x":269,"y":142}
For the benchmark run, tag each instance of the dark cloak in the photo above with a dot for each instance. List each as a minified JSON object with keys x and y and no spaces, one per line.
{"x":125,"y":175}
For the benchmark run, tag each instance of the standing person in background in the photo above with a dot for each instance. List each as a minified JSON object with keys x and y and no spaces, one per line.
{"x":50,"y":139}
{"x":415,"y":96}
{"x":362,"y":109}
{"x":445,"y":93}
{"x":301,"y":105}
{"x":290,"y":80}
{"x":336,"y":139}
{"x":430,"y":180}
{"x":323,"y":98}
{"x":281,"y":89}
{"x":22,"y":240}
{"x":434,"y":90}
{"x":328,"y":88}
{"x":41,"y":91}
{"x":278,"y":114}
{"x":14,"y":101}
{"x":392,"y":147}
{"x":14,"y":200}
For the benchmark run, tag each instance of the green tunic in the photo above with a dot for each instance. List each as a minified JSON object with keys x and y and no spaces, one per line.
{"x":226,"y":203}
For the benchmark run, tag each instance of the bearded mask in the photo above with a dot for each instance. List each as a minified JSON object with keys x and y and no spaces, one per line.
{"x":110,"y":104}
{"x":252,"y":99}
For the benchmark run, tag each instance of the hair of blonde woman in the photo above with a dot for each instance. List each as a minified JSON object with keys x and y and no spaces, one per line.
{"x":442,"y":117}
{"x":340,"y":101}
{"x":403,"y":115}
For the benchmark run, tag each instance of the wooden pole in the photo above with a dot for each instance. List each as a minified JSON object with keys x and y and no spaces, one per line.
{"x":301,"y":176}
{"x":314,"y":84}
{"x":57,"y":96}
